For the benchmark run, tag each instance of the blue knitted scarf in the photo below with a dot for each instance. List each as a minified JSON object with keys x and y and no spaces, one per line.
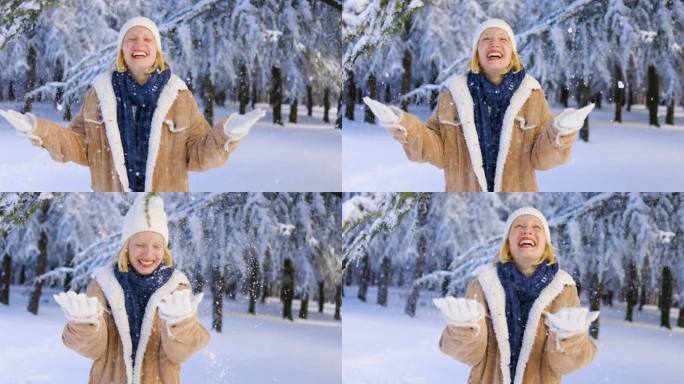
{"x":137,"y":290}
{"x":521,"y":292}
{"x":135,"y":105}
{"x":490,"y":102}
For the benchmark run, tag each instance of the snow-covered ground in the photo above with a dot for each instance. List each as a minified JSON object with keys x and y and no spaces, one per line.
{"x":620,"y":157}
{"x":385,"y":346}
{"x":250,"y":350}
{"x":305,"y":157}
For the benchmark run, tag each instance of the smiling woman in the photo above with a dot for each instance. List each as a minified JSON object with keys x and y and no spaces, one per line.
{"x":139,"y":128}
{"x":498,"y":328}
{"x":492,"y":127}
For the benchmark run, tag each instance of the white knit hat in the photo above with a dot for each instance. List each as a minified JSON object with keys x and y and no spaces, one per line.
{"x":527,"y":211}
{"x":494,"y":23}
{"x":146,"y":214}
{"x":139,"y":21}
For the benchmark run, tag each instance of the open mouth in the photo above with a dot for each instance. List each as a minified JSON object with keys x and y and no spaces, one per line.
{"x":146,"y":263}
{"x":527,"y":242}
{"x":139,"y":55}
{"x":494,"y":55}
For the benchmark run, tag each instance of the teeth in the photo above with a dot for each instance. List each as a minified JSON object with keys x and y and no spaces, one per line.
{"x":527,"y":242}
{"x":136,"y":54}
{"x":497,"y":55}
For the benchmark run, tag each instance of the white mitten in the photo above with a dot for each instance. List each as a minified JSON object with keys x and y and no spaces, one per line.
{"x":571,"y":120}
{"x":237,"y":126}
{"x":25,"y":124}
{"x":461,"y":312}
{"x":388,"y":117}
{"x":80,"y":308}
{"x":179,"y":305}
{"x":570,"y":321}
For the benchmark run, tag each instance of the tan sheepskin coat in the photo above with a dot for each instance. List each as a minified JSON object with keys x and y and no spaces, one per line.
{"x":449,"y":139}
{"x":181,"y":140}
{"x":543,"y":358}
{"x":161,"y":348}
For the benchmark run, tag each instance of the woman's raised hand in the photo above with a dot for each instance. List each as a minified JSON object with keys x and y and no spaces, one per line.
{"x":570,"y":321}
{"x":460,"y":312}
{"x":238,"y":126}
{"x":80,"y":308}
{"x":179,"y":305}
{"x":388,"y":117}
{"x":571,"y":120}
{"x":25,"y":124}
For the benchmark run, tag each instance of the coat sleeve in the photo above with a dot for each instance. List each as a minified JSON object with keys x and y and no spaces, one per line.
{"x":205,"y":146}
{"x":179,"y":341}
{"x":87,"y":339}
{"x":66,"y":144}
{"x":546,"y":151}
{"x":467,"y":345}
{"x":568,"y":354}
{"x":424,"y":143}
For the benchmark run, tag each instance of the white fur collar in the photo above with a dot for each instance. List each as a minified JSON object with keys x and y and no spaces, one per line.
{"x":105,"y":94}
{"x":115,"y":297}
{"x":496,"y":301}
{"x":458,"y":86}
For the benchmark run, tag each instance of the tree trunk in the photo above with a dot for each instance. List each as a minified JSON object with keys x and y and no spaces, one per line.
{"x":41,"y":264}
{"x":217,"y":289}
{"x":30,"y":79}
{"x":267,"y":272}
{"x":680,"y":318}
{"x":632,"y":289}
{"x":277,"y":95}
{"x":5,"y":279}
{"x":338,"y":119}
{"x":351,"y":96}
{"x":209,"y":96}
{"x":10,"y":92}
{"x":293,"y":111}
{"x":595,"y":303}
{"x":666,"y":298}
{"x":365,"y":277}
{"x":669,"y":116}
{"x":326,"y":105}
{"x":619,"y":98}
{"x":412,"y":301}
{"x":388,"y":93}
{"x":253,"y":265}
{"x":67,"y":110}
{"x":2,"y":97}
{"x":58,"y":76}
{"x":309,"y":100}
{"x":383,"y":284}
{"x":406,"y":78}
{"x":653,"y":96}
{"x":584,"y":96}
{"x":338,"y":302}
{"x":304,"y":307}
{"x":564,"y":96}
{"x":369,"y":117}
{"x":321,"y":296}
{"x":243,"y":88}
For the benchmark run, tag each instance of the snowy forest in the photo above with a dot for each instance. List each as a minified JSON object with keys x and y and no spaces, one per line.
{"x":619,"y":247}
{"x":234,"y":244}
{"x":227,"y":51}
{"x":622,"y":52}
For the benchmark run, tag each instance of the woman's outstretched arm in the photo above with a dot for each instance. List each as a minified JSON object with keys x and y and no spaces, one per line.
{"x":69,"y":144}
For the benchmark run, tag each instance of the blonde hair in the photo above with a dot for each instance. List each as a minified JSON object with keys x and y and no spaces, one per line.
{"x":515,"y":64}
{"x":159,"y":63}
{"x":549,"y":255}
{"x":122,"y":257}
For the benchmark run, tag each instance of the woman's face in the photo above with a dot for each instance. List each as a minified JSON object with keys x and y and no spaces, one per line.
{"x":145,"y":251}
{"x":139,"y":49}
{"x":494,"y":51}
{"x":526,"y":240}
